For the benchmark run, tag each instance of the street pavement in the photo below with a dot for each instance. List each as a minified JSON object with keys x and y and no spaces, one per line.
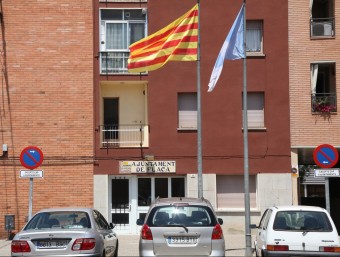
{"x":128,"y":245}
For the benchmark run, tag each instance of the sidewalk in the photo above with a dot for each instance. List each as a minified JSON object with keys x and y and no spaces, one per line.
{"x":128,"y":245}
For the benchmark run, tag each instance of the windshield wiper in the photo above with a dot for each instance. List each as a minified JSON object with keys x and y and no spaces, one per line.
{"x":178,"y":225}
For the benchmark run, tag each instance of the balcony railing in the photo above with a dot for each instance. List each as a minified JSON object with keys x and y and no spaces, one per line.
{"x":115,"y":136}
{"x":114,"y":62}
{"x":324,"y":102}
{"x":323,"y":27}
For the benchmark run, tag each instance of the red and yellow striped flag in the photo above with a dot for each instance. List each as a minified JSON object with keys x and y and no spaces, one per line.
{"x":175,"y":42}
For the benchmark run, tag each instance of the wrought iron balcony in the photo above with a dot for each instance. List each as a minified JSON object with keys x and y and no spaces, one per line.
{"x":117,"y":135}
{"x":114,"y":62}
{"x":324,"y":102}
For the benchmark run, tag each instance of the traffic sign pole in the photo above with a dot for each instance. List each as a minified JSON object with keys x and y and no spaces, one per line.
{"x":31,"y":157}
{"x":30,"y":205}
{"x":326,"y":156}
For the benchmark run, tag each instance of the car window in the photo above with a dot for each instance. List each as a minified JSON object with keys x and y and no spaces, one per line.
{"x":59,"y":219}
{"x":190,"y":215}
{"x":302,"y":220}
{"x":263,"y":218}
{"x":100,"y":220}
{"x":266,"y":220}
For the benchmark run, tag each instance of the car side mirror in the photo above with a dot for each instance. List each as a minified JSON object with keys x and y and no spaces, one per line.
{"x":140,"y":222}
{"x":253,"y":226}
{"x":220,"y":221}
{"x":111,"y":225}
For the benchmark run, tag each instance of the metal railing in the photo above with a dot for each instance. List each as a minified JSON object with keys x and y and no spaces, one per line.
{"x":324,"y":102}
{"x":322,"y":27}
{"x":114,"y":62}
{"x":117,"y":135}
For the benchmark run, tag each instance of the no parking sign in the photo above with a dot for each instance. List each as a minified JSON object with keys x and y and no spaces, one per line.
{"x":31,"y":157}
{"x":326,"y":156}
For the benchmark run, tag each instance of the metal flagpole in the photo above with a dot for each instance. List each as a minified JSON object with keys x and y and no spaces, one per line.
{"x":199,"y":116}
{"x":245,"y":142}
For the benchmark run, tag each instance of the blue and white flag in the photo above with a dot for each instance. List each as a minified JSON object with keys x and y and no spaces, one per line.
{"x":232,"y":48}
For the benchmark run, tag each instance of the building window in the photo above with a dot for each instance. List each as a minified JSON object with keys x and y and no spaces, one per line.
{"x":254,"y":37}
{"x":151,"y":188}
{"x":255,"y":106}
{"x":118,"y":30}
{"x":187,"y":111}
{"x":323,"y":87}
{"x":230,"y":191}
{"x":322,"y":18}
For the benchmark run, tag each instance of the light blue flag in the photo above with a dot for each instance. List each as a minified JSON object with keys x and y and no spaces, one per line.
{"x":232,"y":49}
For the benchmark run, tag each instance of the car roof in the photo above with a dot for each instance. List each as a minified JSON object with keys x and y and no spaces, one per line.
{"x":188,"y":200}
{"x":298,"y":207}
{"x":84,"y":209}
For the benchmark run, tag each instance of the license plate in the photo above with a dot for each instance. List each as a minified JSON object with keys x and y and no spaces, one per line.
{"x":51,"y":244}
{"x":182,"y":240}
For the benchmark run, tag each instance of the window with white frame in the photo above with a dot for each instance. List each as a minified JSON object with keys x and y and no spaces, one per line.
{"x":119,"y":28}
{"x":230,"y":191}
{"x":187,"y":111}
{"x":254,"y":37}
{"x":255,"y":106}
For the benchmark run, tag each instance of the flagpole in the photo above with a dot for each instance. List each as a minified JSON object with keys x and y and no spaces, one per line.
{"x":245,"y":142}
{"x":199,"y":115}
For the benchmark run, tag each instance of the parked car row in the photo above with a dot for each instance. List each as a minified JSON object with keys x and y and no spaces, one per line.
{"x":176,"y":226}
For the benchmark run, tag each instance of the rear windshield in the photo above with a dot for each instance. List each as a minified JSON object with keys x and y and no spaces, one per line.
{"x":189,"y":216}
{"x":60,"y":219}
{"x":302,"y":221}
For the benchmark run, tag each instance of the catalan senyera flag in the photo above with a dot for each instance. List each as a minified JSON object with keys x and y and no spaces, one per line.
{"x":175,"y":42}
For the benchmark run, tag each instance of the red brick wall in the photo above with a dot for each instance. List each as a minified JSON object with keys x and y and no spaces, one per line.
{"x":46,"y":100}
{"x":308,"y":129}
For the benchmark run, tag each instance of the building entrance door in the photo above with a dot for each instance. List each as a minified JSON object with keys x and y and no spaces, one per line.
{"x":121,"y":204}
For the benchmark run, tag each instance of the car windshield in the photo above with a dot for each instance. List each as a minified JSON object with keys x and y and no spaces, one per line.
{"x":177,"y":215}
{"x":59,"y":219}
{"x":302,"y":221}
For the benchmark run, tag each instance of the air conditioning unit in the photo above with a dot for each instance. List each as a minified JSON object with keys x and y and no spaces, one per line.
{"x":320,"y":29}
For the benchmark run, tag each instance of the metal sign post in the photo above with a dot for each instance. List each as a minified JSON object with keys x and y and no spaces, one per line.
{"x":31,"y":157}
{"x":326,"y":156}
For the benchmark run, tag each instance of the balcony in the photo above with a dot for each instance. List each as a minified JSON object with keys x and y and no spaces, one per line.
{"x":324,"y":102}
{"x":322,"y":27}
{"x":114,"y":62}
{"x":117,"y":136}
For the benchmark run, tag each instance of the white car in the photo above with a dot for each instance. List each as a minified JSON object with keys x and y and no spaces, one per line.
{"x":296,"y":231}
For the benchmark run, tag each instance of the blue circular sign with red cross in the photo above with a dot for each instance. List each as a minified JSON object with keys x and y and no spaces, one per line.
{"x":326,"y":156}
{"x":31,"y":157}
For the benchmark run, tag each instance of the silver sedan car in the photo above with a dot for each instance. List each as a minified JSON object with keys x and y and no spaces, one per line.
{"x":60,"y":232}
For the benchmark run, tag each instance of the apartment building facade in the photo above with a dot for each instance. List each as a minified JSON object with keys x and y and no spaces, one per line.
{"x":314,"y":54}
{"x":46,"y":53}
{"x":146,"y":124}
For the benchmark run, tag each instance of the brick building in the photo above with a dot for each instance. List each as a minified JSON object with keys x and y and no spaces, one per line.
{"x":66,"y":90}
{"x":46,"y":53}
{"x":314,"y":54}
{"x":150,"y":119}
